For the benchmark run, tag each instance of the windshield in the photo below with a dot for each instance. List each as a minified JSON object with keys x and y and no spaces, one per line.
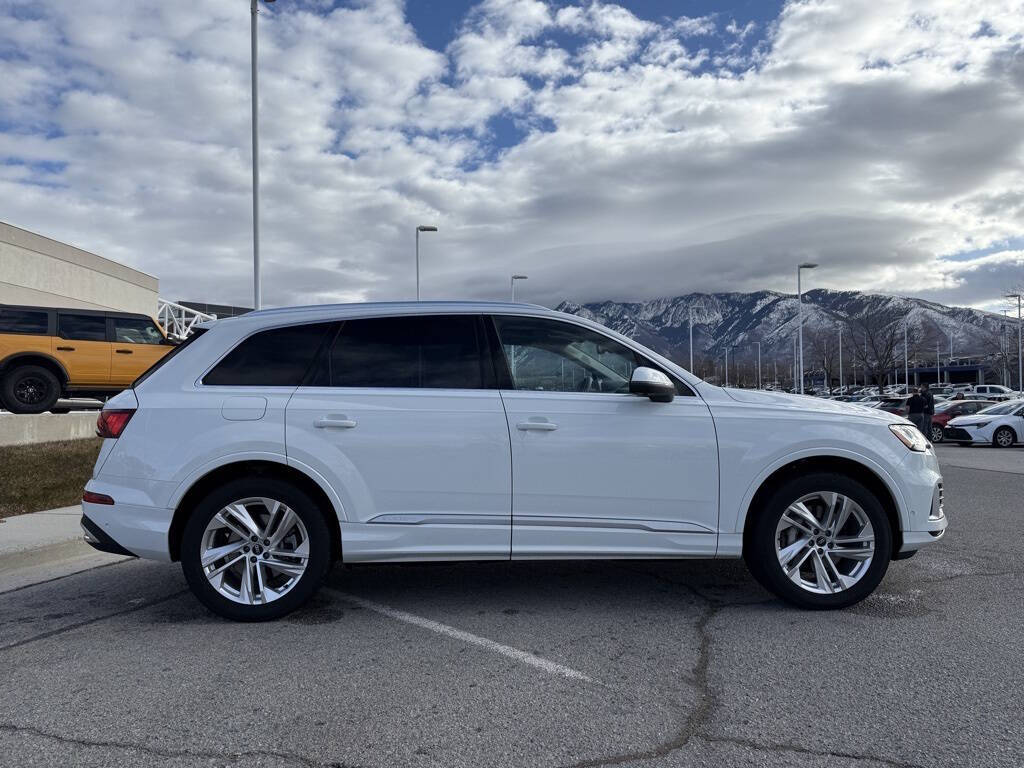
{"x":1001,"y":409}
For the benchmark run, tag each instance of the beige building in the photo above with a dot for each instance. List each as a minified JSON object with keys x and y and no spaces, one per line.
{"x":43,"y":272}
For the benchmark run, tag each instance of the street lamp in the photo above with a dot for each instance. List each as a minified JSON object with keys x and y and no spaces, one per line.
{"x":420,"y":228}
{"x":800,"y":316}
{"x":690,"y":310}
{"x":758,"y":343}
{"x":1020,"y":368}
{"x":512,"y":282}
{"x":257,"y":290}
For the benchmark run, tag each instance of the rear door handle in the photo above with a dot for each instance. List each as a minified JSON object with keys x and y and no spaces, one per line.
{"x":334,"y":422}
{"x":543,"y":426}
{"x":65,"y":349}
{"x":123,"y":351}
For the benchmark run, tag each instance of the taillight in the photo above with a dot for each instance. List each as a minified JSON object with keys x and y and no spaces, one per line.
{"x":112,"y":423}
{"x":96,"y":498}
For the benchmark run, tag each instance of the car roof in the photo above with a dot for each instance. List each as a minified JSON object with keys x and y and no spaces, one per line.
{"x":76,"y":311}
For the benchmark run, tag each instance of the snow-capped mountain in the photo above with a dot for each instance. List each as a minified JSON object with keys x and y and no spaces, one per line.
{"x":723,"y":320}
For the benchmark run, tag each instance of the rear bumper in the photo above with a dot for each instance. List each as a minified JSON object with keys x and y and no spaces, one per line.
{"x":139,"y":529}
{"x":96,"y":538}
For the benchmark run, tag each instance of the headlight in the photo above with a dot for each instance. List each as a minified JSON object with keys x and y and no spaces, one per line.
{"x":980,"y":424}
{"x":910,"y":436}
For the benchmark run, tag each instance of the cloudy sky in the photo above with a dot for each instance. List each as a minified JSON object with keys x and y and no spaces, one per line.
{"x":627,"y":151}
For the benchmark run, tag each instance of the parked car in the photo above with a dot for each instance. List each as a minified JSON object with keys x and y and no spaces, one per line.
{"x":48,"y":353}
{"x":995,"y":392}
{"x":1001,"y":425}
{"x":896,"y":404}
{"x":275,"y":443}
{"x":951,"y":409}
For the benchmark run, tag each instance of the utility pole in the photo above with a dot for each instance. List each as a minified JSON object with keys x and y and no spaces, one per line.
{"x":841,"y":385}
{"x":727,"y":366}
{"x":800,"y":316}
{"x":1020,"y":362}
{"x":906,"y":360}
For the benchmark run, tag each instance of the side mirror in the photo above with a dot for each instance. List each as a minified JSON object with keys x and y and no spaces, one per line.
{"x":648,"y":382}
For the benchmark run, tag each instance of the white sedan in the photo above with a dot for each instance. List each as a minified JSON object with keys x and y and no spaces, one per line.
{"x":1000,"y":425}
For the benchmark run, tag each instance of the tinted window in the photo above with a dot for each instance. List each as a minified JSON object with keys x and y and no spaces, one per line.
{"x":279,"y":357}
{"x":552,"y":356}
{"x":136,"y":330}
{"x":178,"y":348}
{"x":82,"y":327}
{"x":433,"y":351}
{"x":23,"y":321}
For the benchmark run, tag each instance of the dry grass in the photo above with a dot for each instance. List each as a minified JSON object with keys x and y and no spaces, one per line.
{"x":45,"y":475}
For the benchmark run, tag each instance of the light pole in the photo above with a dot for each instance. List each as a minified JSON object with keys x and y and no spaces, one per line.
{"x":800,"y":316}
{"x":841,"y":384}
{"x":1020,"y":367}
{"x":691,"y":339}
{"x":257,"y":289}
{"x":727,"y":366}
{"x":906,"y":360}
{"x":758,"y":364}
{"x":512,"y":283}
{"x":420,"y":228}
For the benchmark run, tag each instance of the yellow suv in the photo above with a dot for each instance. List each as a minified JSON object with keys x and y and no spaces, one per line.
{"x":47,"y":353}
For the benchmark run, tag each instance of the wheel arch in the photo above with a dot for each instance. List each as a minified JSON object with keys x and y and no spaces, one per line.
{"x":849,"y":467}
{"x":1016,"y":435}
{"x":36,"y":358}
{"x":251,"y":468}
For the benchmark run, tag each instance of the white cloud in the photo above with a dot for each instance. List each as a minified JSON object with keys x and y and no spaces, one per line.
{"x":630,"y":163}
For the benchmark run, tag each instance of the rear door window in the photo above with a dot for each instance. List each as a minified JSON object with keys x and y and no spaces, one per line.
{"x":82,"y":327}
{"x":420,"y":352}
{"x":24,"y":321}
{"x":278,"y":357}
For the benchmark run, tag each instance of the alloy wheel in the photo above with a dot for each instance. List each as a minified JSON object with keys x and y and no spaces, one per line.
{"x":824,"y":542}
{"x":30,"y":390}
{"x":936,"y":434}
{"x":1004,"y":438}
{"x":254,"y":550}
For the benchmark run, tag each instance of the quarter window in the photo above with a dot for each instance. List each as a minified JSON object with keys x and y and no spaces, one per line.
{"x":426,"y":352}
{"x":23,"y":321}
{"x":136,"y":330}
{"x":82,"y":327}
{"x":279,"y":357}
{"x":552,"y":356}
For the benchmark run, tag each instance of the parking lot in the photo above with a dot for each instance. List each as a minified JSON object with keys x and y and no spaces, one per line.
{"x":538,"y":664}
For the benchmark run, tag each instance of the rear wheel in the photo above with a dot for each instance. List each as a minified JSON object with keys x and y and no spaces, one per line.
{"x":255,"y":549}
{"x":937,"y":436}
{"x":29,"y":389}
{"x":1003,"y":437}
{"x":821,"y":541}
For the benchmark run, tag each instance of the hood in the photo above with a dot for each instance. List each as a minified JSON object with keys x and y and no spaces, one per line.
{"x":807,"y":403}
{"x":966,"y":421}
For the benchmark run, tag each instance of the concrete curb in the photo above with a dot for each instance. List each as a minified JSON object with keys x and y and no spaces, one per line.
{"x":23,"y":533}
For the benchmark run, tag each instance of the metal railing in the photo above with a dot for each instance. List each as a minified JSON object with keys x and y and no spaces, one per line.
{"x":177,"y":320}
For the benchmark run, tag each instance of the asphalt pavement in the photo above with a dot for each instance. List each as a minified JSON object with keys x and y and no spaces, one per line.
{"x":635,"y":663}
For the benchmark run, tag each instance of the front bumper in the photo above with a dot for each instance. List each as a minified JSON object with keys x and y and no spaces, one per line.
{"x":925,"y":494}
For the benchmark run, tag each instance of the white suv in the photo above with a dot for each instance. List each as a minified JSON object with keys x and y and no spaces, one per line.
{"x":273,"y":444}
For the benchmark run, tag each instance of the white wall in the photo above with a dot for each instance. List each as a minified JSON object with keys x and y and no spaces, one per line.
{"x":40,"y":271}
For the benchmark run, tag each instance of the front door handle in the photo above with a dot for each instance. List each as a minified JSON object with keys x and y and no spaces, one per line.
{"x":543,"y":426}
{"x":65,"y":349}
{"x":334,"y":422}
{"x":123,"y":351}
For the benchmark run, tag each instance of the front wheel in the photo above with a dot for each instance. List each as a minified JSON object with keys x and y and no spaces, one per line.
{"x":1003,"y":438}
{"x":821,"y":541}
{"x":255,"y":549}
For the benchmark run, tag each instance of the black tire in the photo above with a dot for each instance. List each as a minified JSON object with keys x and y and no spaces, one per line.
{"x":1004,"y":437}
{"x":302,"y":505}
{"x":759,"y":549}
{"x":937,"y":436}
{"x":29,"y":389}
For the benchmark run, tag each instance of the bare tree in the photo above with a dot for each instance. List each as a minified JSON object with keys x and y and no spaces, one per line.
{"x":872,"y":342}
{"x":825,"y":354}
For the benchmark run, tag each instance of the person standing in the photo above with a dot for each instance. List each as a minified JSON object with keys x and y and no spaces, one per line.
{"x":929,"y":411}
{"x":915,"y":406}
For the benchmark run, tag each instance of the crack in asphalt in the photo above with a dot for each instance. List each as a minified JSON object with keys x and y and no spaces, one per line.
{"x":796,"y":749}
{"x":158,"y":752}
{"x":93,"y":620}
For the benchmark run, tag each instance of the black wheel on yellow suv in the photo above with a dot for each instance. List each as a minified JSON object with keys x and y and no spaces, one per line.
{"x":29,"y":389}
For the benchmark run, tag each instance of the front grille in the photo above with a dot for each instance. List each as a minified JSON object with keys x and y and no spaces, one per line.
{"x":956,"y":433}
